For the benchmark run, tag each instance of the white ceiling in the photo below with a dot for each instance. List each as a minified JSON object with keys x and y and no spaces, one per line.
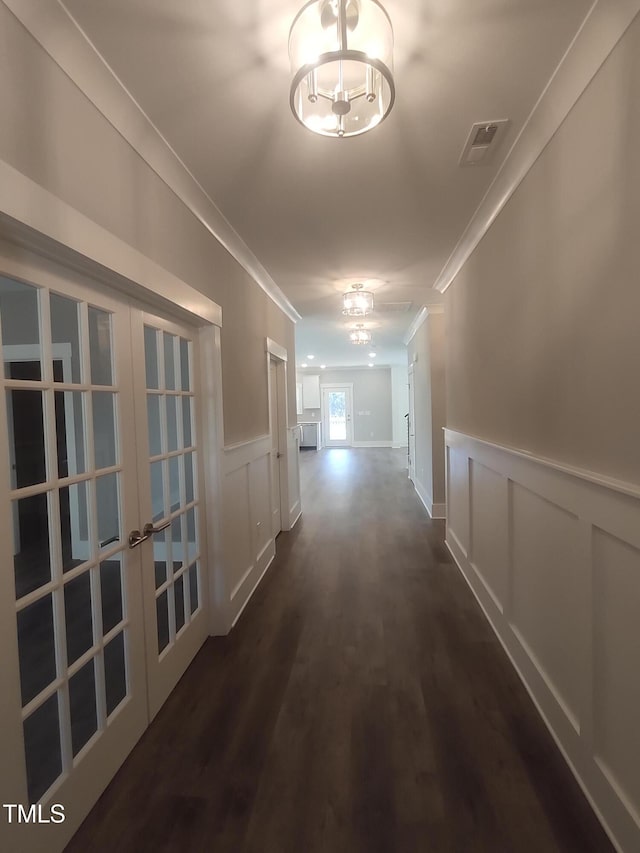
{"x":321,"y":213}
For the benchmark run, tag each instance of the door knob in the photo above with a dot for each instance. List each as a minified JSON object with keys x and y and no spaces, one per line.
{"x":149,"y":529}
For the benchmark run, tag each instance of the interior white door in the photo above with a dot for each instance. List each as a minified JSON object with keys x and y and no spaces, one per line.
{"x":72,"y":666}
{"x":171,"y":499}
{"x":336,"y":416}
{"x":412,"y":428}
{"x":274,"y":426}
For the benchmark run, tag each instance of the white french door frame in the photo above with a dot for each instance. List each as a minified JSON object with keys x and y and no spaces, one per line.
{"x":336,"y":386}
{"x":49,"y":265}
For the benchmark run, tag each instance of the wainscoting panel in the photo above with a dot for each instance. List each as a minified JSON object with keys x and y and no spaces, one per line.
{"x":488,"y":538}
{"x":248,"y":543}
{"x":553,"y":556}
{"x":293,"y":457}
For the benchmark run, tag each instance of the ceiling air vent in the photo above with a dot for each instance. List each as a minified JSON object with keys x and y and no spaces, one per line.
{"x":482,"y":142}
{"x":393,"y":307}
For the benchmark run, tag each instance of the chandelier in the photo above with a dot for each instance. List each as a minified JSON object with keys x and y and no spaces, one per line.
{"x":357,"y":302}
{"x":341,"y":61}
{"x":360,"y":335}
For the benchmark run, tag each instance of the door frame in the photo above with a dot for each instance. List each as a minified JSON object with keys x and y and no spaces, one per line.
{"x":340,"y":386}
{"x":276,"y":352}
{"x":412,"y":425}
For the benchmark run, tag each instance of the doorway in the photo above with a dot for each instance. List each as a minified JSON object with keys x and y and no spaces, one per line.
{"x":337,"y":417}
{"x":103,"y":602}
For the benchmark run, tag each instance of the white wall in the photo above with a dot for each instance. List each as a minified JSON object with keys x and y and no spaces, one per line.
{"x":544,"y":453}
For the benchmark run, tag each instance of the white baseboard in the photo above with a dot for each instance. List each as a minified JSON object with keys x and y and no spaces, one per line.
{"x":553,"y":556}
{"x":250,"y":581}
{"x":371,"y":444}
{"x":434,"y":510}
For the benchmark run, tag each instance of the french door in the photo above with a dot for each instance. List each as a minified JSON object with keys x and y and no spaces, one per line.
{"x":336,"y":416}
{"x":102,"y":580}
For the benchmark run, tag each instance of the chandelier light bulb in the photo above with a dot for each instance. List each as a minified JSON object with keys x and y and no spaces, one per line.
{"x":341,"y":54}
{"x":357,"y":302}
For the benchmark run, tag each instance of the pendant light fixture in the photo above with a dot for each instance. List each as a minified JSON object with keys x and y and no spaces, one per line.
{"x":341,"y":54}
{"x":357,"y":302}
{"x":360,"y":335}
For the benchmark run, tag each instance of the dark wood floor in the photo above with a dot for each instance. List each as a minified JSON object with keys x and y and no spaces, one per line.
{"x":362,"y":703}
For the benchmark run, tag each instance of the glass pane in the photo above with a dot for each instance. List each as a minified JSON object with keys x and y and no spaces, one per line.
{"x":185,"y":367}
{"x":65,"y":335}
{"x":162,"y":612}
{"x":108,"y":510}
{"x":151,"y":357}
{"x":169,"y":362}
{"x":70,"y":433}
{"x":82,"y":701}
{"x":78,"y":618}
{"x":178,"y":590}
{"x":100,"y":347}
{"x":172,"y":423}
{"x":193,"y":588}
{"x":36,"y":648}
{"x":177,"y":544}
{"x":187,"y":438}
{"x":104,"y":429}
{"x":153,"y":424}
{"x":157,"y":491}
{"x":42,"y":748}
{"x":115,"y":672}
{"x":26,"y":438}
{"x":160,"y":558}
{"x":20,"y":320}
{"x":111,"y":593}
{"x":32,"y":559}
{"x":337,"y":416}
{"x":192,"y":536}
{"x":174,"y":483}
{"x":74,"y":526}
{"x":189,"y":462}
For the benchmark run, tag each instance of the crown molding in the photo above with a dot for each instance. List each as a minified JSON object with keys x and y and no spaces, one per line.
{"x":418,"y":320}
{"x":603,"y":27}
{"x":54,"y":28}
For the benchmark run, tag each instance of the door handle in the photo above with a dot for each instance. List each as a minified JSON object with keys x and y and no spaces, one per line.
{"x":136,"y":538}
{"x":149,"y":529}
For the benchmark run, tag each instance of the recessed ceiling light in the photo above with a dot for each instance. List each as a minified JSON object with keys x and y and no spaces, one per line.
{"x":304,"y":364}
{"x":311,"y":357}
{"x":372,"y":355}
{"x":370,"y":364}
{"x":322,"y":366}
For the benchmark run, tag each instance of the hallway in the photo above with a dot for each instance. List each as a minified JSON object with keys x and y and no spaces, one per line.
{"x":362,"y":703}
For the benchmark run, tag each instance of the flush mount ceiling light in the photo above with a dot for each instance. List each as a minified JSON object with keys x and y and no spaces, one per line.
{"x":341,"y":54}
{"x":357,"y":302}
{"x":360,"y":335}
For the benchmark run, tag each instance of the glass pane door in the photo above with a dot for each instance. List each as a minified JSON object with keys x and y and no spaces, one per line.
{"x":336,"y":415}
{"x":171,"y":501}
{"x":70,"y":608}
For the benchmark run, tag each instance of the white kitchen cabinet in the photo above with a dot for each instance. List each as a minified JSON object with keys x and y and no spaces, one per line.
{"x":311,"y":391}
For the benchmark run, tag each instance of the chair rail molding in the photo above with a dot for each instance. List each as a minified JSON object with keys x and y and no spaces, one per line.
{"x":552,"y":554}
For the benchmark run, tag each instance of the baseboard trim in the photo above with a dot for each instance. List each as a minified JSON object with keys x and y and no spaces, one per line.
{"x":266,"y":557}
{"x":371,"y":444}
{"x":436,"y":511}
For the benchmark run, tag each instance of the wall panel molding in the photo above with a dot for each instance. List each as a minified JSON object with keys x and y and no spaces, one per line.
{"x":553,"y":557}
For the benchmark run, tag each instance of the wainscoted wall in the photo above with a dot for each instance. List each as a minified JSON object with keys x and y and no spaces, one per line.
{"x":553,"y":556}
{"x":293,"y":475}
{"x":248,"y":545}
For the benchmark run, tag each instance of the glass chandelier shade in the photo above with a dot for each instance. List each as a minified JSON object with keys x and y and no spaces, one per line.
{"x":357,"y":302}
{"x":360,"y":335}
{"x":341,"y":54}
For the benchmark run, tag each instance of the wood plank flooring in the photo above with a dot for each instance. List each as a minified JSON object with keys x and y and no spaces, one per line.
{"x":362,"y":703}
